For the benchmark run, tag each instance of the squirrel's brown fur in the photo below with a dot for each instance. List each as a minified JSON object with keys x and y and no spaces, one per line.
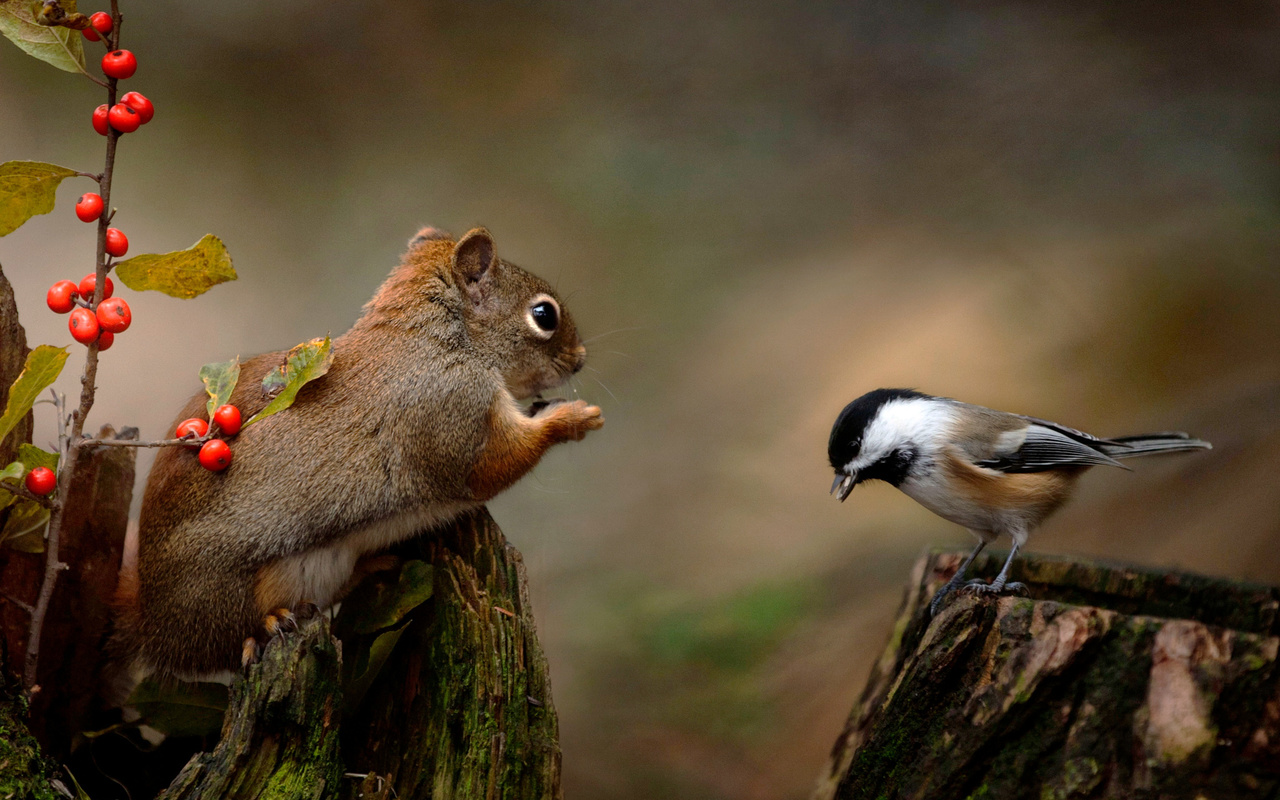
{"x":415,"y":422}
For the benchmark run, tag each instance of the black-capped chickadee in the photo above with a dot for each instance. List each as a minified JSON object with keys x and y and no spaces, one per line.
{"x":990,"y":471}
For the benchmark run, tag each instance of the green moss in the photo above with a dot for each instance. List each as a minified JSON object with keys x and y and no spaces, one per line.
{"x":25,"y":772}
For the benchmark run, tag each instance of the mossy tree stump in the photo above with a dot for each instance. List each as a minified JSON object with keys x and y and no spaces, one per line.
{"x":463,"y":708}
{"x":451,"y":701}
{"x":1107,"y":682}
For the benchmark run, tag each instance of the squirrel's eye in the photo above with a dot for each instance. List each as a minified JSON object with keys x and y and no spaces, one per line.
{"x":544,"y":316}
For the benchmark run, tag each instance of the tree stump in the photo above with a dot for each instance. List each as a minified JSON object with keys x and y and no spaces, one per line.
{"x":1107,"y":682}
{"x":463,"y":707}
{"x":451,"y":702}
{"x":280,"y":735}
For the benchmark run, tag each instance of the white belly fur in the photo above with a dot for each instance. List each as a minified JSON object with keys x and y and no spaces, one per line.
{"x":316,"y":576}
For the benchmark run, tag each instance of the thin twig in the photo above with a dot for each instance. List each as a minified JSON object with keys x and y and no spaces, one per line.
{"x":90,"y":176}
{"x":88,"y":384}
{"x":23,"y":492}
{"x":88,"y":442}
{"x":64,"y":439}
{"x":22,"y":604}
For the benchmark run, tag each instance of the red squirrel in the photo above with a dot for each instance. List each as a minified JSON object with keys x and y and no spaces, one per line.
{"x":416,"y":422}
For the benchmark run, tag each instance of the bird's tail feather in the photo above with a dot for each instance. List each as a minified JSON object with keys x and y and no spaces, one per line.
{"x":1151,"y":443}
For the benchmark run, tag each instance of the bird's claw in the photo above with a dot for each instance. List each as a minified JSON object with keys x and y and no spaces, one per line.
{"x":995,"y":587}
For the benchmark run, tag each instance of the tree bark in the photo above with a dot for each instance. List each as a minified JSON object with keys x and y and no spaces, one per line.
{"x":1107,"y":682}
{"x":463,"y":708}
{"x":73,"y":651}
{"x":13,"y":356}
{"x":280,"y":734}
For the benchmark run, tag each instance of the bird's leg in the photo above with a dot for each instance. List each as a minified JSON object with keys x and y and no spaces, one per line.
{"x":1002,"y":582}
{"x":956,"y":580}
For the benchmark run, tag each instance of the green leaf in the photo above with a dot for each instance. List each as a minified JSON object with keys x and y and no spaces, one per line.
{"x":369,"y":666}
{"x":220,"y":382}
{"x":43,"y":366}
{"x":181,"y":709}
{"x":182,"y":273}
{"x":14,"y":472}
{"x":24,"y":530}
{"x":81,"y":794}
{"x":305,"y":363}
{"x":392,"y":603}
{"x":32,"y":457}
{"x":58,"y":46}
{"x":27,"y":188}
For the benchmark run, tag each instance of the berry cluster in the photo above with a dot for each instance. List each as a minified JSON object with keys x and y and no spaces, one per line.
{"x":88,"y":323}
{"x":215,"y":454}
{"x":133,"y":111}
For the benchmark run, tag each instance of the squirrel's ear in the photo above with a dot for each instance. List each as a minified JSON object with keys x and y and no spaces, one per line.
{"x":473,"y":259}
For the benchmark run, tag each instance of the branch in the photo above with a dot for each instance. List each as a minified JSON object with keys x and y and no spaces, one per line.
{"x":88,"y":384}
{"x":186,"y":442}
{"x":25,"y":606}
{"x":21,"y":491}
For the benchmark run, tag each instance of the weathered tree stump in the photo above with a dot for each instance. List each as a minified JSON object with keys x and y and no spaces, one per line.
{"x":1107,"y":682}
{"x":463,"y":707}
{"x":280,"y":734}
{"x":73,"y":649}
{"x":458,"y":703}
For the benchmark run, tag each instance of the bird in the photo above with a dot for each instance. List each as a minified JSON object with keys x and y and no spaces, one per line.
{"x":993,"y":472}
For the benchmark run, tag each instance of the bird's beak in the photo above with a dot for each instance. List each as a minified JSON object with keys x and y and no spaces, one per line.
{"x":842,"y":485}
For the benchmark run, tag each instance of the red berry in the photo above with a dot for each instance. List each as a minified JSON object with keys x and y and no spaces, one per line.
{"x":90,"y":207}
{"x":90,"y":281}
{"x":62,"y":297}
{"x":100,"y":119}
{"x":194,"y":425}
{"x":100,"y":23}
{"x":105,"y":340}
{"x":117,"y":242}
{"x":142,"y":105}
{"x":123,"y":118}
{"x":228,"y":419}
{"x":215,"y":455}
{"x":41,"y":481}
{"x":84,"y":326}
{"x":114,"y":315}
{"x":119,"y":64}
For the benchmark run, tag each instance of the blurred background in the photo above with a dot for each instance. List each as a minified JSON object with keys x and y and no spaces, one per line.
{"x":756,"y":211}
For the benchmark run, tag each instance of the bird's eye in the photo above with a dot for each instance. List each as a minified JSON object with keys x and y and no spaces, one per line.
{"x":544,"y":316}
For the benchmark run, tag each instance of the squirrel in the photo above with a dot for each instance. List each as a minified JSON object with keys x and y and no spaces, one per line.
{"x":416,"y":422}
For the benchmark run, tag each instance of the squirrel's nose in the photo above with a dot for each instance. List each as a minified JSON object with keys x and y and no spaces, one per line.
{"x":579,"y":357}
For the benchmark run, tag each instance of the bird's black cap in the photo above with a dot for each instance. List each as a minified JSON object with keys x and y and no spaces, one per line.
{"x":846,"y":434}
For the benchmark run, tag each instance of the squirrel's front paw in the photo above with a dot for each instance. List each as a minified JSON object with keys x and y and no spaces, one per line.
{"x":573,"y":419}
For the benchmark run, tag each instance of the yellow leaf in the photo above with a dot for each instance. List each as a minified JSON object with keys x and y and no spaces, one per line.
{"x":27,"y":188}
{"x":182,"y":273}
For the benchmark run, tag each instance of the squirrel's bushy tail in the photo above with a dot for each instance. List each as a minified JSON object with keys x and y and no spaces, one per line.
{"x":1151,"y":443}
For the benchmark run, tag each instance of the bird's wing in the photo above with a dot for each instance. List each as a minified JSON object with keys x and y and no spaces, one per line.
{"x":1072,"y":433}
{"x":1047,"y":446}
